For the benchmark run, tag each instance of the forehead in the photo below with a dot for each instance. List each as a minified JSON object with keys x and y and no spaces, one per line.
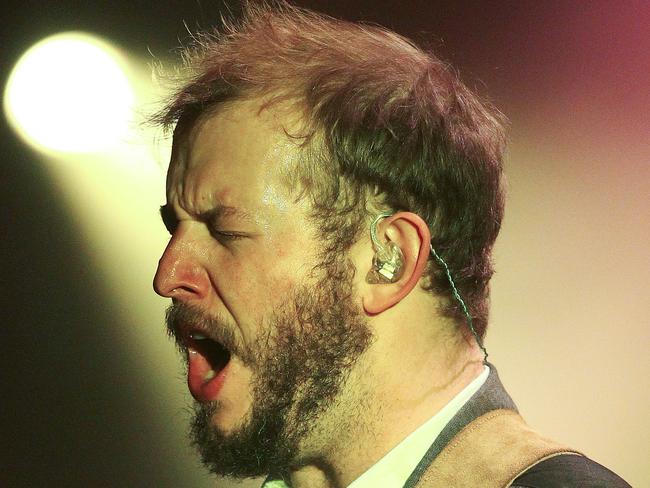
{"x":239,"y":155}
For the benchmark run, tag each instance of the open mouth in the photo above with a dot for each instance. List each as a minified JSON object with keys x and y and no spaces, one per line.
{"x":214,"y":352}
{"x":207,"y":364}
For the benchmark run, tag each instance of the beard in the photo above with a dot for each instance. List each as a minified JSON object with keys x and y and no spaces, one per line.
{"x":299,"y":366}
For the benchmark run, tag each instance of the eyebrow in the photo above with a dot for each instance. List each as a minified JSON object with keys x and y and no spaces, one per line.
{"x":219,"y":211}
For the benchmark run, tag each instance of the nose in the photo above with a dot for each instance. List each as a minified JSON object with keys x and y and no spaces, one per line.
{"x":180,"y":274}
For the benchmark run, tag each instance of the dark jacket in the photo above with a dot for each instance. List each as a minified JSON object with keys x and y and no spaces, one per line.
{"x":564,"y":470}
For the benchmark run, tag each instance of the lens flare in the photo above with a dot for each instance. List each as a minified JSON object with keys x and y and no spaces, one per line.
{"x":70,"y":93}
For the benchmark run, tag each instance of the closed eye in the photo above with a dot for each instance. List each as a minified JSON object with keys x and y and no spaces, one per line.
{"x":226,"y":236}
{"x":210,"y":219}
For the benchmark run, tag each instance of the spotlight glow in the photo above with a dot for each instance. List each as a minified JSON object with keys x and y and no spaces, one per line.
{"x":70,"y":93}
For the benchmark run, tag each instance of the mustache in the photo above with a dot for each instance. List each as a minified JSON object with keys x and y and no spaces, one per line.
{"x":181,"y":317}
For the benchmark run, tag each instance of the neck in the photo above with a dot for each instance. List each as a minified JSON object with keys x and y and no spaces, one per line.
{"x":404,"y":379}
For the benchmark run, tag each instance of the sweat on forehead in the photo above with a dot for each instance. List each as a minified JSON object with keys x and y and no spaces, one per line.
{"x":270,"y":135}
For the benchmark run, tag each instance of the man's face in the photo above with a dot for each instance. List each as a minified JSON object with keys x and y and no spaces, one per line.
{"x":269,"y":331}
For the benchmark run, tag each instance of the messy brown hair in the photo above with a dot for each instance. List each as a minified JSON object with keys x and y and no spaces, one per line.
{"x":388,"y":126}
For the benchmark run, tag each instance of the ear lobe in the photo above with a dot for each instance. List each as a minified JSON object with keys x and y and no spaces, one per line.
{"x":410,"y":233}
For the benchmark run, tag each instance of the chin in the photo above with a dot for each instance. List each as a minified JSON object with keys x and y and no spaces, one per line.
{"x":225,"y":420}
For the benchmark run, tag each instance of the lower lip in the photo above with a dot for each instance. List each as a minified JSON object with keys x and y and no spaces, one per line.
{"x":203,"y":390}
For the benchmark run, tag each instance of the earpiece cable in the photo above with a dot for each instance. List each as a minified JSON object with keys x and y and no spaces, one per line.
{"x":373,"y":228}
{"x":461,"y":301}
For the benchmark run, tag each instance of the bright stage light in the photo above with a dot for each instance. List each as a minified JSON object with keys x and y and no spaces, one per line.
{"x":70,"y":93}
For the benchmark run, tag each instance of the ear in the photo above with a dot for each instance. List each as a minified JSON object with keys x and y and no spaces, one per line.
{"x":408,"y":231}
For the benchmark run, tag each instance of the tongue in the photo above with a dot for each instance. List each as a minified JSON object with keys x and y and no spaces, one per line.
{"x":203,"y":381}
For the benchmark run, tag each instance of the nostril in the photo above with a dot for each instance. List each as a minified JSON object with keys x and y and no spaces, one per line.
{"x":183,"y":290}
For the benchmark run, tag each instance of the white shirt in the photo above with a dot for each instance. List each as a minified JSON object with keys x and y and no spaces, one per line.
{"x":392,"y":470}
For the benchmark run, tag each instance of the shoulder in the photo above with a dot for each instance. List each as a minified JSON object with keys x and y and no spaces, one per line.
{"x":566,"y":471}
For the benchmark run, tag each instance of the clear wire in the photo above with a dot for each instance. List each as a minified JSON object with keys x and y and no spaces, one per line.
{"x":373,"y":229}
{"x":461,"y":301}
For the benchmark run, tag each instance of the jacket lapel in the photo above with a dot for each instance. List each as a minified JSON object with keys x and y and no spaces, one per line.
{"x":491,"y":396}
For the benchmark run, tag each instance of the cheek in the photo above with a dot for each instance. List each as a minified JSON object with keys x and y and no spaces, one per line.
{"x":257,"y":285}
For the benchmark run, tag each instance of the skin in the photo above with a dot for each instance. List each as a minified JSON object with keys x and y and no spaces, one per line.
{"x":418,"y":360}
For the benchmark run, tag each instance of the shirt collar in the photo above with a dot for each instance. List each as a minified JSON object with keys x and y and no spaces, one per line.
{"x":397,"y":465}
